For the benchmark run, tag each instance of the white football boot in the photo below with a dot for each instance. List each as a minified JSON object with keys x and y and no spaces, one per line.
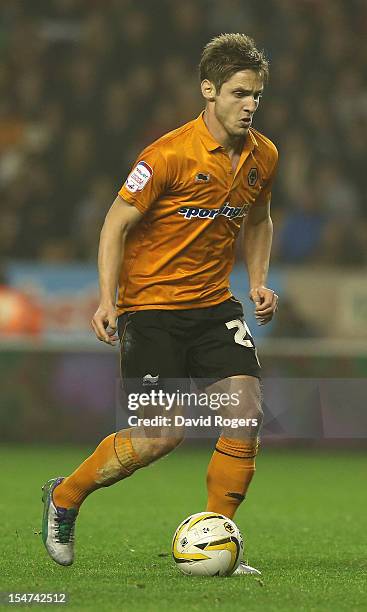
{"x":58,"y":525}
{"x":243,"y":568}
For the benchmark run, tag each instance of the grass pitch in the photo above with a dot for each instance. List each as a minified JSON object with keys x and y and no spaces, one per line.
{"x":302,"y":524}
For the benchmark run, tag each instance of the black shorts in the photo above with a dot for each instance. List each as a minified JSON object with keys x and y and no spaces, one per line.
{"x":209,"y":343}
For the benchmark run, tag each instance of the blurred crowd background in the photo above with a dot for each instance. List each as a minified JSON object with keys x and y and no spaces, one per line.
{"x":85,"y":85}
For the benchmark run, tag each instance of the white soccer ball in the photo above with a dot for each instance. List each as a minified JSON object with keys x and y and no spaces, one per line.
{"x":207,"y":544}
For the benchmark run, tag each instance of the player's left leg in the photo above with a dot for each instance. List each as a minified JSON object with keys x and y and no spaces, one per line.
{"x":224,"y":350}
{"x":232,"y":465}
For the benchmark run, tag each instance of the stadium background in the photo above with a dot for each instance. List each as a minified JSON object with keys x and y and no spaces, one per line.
{"x":84,"y":86}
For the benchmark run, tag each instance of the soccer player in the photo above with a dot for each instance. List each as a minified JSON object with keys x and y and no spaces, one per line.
{"x":167,"y":249}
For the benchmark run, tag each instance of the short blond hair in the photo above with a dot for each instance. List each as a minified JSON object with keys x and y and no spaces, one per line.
{"x":229,"y":53}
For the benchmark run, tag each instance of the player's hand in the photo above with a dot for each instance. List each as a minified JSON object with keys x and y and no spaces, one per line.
{"x":104,"y":324}
{"x":266,"y":302}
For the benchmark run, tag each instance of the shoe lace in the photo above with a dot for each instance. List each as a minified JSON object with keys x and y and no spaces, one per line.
{"x":65,"y":525}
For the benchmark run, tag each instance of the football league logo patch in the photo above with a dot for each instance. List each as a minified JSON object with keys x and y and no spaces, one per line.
{"x":139,"y":177}
{"x":252,"y":177}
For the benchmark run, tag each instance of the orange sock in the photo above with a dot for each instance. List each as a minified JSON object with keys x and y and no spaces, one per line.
{"x":230,"y":472}
{"x":113,"y":460}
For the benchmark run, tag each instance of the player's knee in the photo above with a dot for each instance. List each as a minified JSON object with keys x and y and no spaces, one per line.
{"x":253,"y":420}
{"x":255,"y":413}
{"x":252,"y":404}
{"x":244,"y":423}
{"x":248,"y":411}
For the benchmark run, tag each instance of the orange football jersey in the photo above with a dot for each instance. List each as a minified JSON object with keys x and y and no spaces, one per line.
{"x":181,"y":253}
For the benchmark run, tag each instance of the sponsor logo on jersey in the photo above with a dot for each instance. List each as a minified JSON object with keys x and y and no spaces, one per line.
{"x":252,"y":177}
{"x":148,"y":379}
{"x":139,"y":177}
{"x":202,"y":177}
{"x":231,"y":212}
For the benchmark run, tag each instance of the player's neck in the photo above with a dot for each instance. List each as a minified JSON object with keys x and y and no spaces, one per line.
{"x":232,"y":145}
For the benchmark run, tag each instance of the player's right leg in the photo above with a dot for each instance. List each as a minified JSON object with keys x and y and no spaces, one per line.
{"x":120,"y":454}
{"x":117,"y":457}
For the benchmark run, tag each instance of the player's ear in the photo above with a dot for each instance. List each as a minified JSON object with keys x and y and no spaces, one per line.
{"x":208,"y":90}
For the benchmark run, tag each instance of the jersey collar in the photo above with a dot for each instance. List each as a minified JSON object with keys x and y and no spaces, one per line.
{"x":212,"y":145}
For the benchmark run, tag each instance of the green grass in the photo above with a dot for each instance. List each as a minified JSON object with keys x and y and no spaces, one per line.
{"x":302,"y":523}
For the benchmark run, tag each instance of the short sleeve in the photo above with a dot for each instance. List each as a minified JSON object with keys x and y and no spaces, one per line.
{"x":147,"y":179}
{"x":265,"y":194}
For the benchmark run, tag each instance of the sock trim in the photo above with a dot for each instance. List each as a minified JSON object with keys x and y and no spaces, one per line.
{"x":234,"y":456}
{"x":238,"y":448}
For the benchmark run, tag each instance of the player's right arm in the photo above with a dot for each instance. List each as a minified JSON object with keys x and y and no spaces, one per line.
{"x":119,"y":220}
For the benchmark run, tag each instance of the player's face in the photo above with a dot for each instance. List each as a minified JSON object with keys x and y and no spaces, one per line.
{"x":238,"y":100}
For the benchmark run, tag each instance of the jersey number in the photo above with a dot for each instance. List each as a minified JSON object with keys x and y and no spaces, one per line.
{"x":241,"y":333}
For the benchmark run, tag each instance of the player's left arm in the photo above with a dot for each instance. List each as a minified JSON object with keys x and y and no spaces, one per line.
{"x":258,"y":234}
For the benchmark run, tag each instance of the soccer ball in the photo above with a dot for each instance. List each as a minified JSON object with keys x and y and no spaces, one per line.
{"x":207,"y":544}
